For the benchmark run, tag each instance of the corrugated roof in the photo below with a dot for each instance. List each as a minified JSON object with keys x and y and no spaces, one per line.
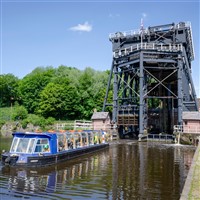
{"x":99,"y":115}
{"x":191,"y":115}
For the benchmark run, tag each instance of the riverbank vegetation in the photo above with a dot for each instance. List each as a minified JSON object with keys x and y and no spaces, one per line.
{"x":48,"y":94}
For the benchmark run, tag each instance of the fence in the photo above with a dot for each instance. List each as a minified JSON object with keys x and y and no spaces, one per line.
{"x":77,"y":124}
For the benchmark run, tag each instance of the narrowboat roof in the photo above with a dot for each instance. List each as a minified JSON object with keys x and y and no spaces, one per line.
{"x":34,"y":133}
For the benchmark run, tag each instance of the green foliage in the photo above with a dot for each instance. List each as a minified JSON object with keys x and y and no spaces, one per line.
{"x":31,"y":86}
{"x":153,"y":103}
{"x":34,"y":119}
{"x":19,"y":113}
{"x":67,"y":75}
{"x":2,"y":122}
{"x":5,"y":113}
{"x":92,"y":89}
{"x":50,"y":121}
{"x":8,"y":87}
{"x":58,"y":100}
{"x":37,"y":120}
{"x":64,"y":93}
{"x":24,"y":123}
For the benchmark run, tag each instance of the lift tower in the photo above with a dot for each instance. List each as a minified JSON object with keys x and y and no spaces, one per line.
{"x":152,"y":82}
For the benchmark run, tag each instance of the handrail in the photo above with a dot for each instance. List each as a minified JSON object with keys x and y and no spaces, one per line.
{"x":147,"y":46}
{"x":160,"y":137}
{"x":147,"y":30}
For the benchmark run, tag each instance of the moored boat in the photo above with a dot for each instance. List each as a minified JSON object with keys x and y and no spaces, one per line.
{"x":32,"y":149}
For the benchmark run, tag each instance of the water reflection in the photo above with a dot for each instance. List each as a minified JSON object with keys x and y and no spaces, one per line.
{"x":127,"y":170}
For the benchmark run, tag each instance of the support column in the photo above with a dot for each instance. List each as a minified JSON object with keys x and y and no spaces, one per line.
{"x":108,"y":87}
{"x":141,"y":109}
{"x":115,"y":89}
{"x":180,"y":94}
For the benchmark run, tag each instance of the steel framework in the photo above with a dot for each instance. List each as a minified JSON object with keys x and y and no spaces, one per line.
{"x":151,"y":78}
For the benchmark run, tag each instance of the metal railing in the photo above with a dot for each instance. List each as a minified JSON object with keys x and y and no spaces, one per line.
{"x":148,"y":46}
{"x":84,"y":125}
{"x":160,"y":137}
{"x":146,"y":30}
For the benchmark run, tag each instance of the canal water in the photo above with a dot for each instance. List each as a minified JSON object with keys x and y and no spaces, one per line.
{"x":126,"y":170}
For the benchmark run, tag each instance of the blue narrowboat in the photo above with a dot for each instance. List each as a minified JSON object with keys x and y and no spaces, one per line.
{"x":32,"y":149}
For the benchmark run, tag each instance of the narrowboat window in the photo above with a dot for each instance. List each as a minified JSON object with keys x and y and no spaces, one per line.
{"x":42,"y":145}
{"x":22,"y":145}
{"x":61,"y":141}
{"x":31,"y":145}
{"x":14,"y":144}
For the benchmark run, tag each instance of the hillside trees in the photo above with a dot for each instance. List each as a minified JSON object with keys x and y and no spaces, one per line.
{"x":58,"y":101}
{"x":8,"y":87}
{"x":31,"y":86}
{"x":91,"y":89}
{"x":65,"y":93}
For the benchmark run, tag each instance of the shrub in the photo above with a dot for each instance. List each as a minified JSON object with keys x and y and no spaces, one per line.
{"x":2,"y":122}
{"x":34,"y":119}
{"x":50,"y":121}
{"x":19,"y":113}
{"x":40,"y":121}
{"x":24,"y":123}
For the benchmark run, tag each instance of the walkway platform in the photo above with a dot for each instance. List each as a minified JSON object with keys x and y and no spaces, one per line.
{"x":191,"y":190}
{"x":158,"y":138}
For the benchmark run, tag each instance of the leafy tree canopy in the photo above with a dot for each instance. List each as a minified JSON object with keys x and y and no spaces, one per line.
{"x":8,"y":87}
{"x":31,"y":86}
{"x":62,"y":93}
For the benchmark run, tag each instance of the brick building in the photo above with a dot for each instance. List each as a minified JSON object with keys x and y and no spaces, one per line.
{"x":100,"y":120}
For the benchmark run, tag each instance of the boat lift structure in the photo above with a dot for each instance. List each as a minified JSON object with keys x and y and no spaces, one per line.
{"x":151,"y":79}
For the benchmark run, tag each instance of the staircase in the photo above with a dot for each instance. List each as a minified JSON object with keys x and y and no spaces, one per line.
{"x":190,"y":106}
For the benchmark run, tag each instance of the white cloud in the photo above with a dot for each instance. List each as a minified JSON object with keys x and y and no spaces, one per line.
{"x":82,"y":27}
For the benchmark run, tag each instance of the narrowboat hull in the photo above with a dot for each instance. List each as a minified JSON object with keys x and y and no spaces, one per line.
{"x":43,"y":159}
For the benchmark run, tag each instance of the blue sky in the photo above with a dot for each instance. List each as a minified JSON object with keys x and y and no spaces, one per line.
{"x":75,"y":33}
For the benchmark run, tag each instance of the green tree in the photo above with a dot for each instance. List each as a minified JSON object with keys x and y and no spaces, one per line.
{"x":58,"y":101}
{"x":8,"y":87}
{"x":32,"y":85}
{"x":92,"y":88}
{"x":99,"y":87}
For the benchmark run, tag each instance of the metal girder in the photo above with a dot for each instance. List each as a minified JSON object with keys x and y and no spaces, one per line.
{"x":108,"y":87}
{"x":161,"y":82}
{"x":160,"y":60}
{"x":127,"y":85}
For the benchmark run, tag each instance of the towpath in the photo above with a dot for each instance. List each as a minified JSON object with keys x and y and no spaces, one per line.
{"x":191,"y":190}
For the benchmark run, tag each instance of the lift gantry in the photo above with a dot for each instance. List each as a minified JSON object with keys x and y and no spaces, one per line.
{"x":151,"y":78}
